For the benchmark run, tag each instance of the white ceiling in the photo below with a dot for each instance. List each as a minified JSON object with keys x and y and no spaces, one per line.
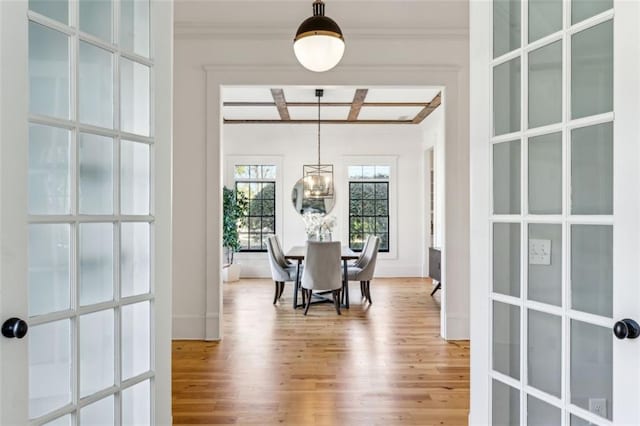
{"x":342,"y":94}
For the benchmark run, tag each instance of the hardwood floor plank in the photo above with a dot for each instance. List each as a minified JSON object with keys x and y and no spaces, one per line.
{"x":381,"y":364}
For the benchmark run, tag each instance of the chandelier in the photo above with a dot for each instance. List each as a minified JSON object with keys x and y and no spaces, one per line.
{"x":318,"y":178}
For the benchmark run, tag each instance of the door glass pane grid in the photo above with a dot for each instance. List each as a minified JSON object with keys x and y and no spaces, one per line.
{"x":564,"y":217}
{"x":68,"y":414}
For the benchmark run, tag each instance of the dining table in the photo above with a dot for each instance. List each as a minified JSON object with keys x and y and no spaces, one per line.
{"x":298,"y":253}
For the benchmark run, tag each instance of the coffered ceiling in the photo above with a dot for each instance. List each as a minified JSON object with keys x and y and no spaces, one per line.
{"x":339,"y":105}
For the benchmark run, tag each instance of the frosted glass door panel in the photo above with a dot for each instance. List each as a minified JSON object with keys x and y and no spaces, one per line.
{"x":100,"y":413}
{"x":545,"y":263}
{"x":506,"y":178}
{"x":55,"y":9}
{"x":134,"y":97}
{"x":592,"y":70}
{"x":506,"y":97}
{"x":96,"y":352}
{"x":95,"y":18}
{"x":95,"y":86}
{"x":583,"y":9}
{"x":136,"y":407}
{"x":506,"y":339}
{"x":90,"y":191}
{"x":506,"y":258}
{"x":592,"y":269}
{"x":48,"y":72}
{"x":540,"y":413}
{"x":49,"y":268}
{"x":96,"y":174}
{"x":577,"y":421}
{"x":592,"y":169}
{"x":134,"y":26}
{"x":545,"y":85}
{"x":505,"y":410}
{"x":136,"y":340}
{"x":506,"y":26}
{"x":96,"y":263}
{"x":591,"y":365}
{"x":134,"y":178}
{"x":49,"y":367}
{"x":49,"y":170}
{"x":545,"y":352}
{"x":134,"y":258}
{"x":545,"y":174}
{"x":61,"y":421}
{"x":545,"y":17}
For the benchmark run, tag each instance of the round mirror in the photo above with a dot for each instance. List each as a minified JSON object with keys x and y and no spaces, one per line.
{"x":304,"y":205}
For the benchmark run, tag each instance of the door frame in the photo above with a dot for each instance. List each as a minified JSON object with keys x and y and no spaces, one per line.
{"x":455,"y":229}
{"x":626,"y":204}
{"x":13,"y":216}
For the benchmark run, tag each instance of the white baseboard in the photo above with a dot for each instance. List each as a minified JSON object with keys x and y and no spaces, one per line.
{"x":212,"y":328}
{"x":457,"y":328}
{"x":188,"y":327}
{"x":196,"y":327}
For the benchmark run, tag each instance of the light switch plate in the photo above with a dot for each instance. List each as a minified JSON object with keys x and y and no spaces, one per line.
{"x":539,"y":252}
{"x":598,"y":406}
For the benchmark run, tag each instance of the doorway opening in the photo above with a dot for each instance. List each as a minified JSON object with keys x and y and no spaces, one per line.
{"x":373,"y":136}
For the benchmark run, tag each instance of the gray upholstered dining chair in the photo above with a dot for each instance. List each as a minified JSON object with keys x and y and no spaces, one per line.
{"x":322,"y":271}
{"x":360,"y":260}
{"x":365,"y":269}
{"x":281,"y":269}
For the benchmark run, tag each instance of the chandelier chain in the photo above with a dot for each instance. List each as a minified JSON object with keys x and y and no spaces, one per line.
{"x":318,"y":130}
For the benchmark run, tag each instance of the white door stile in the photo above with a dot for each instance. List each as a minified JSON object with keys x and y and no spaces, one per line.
{"x":13,"y":204}
{"x":626,"y":233}
{"x":161,"y":188}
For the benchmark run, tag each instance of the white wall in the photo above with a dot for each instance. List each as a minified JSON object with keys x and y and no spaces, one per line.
{"x":401,"y":146}
{"x":413,"y":43}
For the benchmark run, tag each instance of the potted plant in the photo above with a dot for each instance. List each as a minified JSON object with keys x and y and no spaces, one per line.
{"x":234,"y":209}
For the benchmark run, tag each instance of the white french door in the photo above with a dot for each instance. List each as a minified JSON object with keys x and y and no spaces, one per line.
{"x":564,"y":212}
{"x":85,"y":211}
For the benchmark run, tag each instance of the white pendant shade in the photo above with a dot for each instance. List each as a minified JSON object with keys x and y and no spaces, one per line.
{"x":319,"y":53}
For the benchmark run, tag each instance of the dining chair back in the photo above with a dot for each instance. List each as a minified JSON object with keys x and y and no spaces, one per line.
{"x":359,"y":262}
{"x":322,"y":270}
{"x":281,"y":270}
{"x":364,"y":273}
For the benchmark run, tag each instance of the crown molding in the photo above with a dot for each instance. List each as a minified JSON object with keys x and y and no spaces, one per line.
{"x":388,"y":68}
{"x":210,"y":30}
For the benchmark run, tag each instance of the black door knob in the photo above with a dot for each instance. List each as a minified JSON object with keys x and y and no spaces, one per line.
{"x":14,"y":327}
{"x":626,"y":329}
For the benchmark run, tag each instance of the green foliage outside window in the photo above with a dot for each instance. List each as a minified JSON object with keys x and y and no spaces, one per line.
{"x":368,"y":213}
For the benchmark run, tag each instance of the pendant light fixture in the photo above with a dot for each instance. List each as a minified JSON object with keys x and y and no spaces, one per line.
{"x":319,"y":44}
{"x":318,"y":178}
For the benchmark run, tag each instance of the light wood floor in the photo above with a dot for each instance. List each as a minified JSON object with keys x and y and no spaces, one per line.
{"x":383,"y":364}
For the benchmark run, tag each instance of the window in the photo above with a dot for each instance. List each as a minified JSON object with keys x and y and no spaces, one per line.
{"x":368,"y":205}
{"x":258,"y":184}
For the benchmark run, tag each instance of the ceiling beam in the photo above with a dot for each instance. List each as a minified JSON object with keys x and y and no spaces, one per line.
{"x":356,"y":105}
{"x":435,"y":103}
{"x":281,"y":104}
{"x":316,"y":122}
{"x":332,"y":104}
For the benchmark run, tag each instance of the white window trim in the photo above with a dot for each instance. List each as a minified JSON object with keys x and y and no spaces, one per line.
{"x":230,"y":161}
{"x":343,"y":176}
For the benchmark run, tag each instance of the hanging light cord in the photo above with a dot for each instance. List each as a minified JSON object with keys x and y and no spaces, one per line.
{"x":318,"y":130}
